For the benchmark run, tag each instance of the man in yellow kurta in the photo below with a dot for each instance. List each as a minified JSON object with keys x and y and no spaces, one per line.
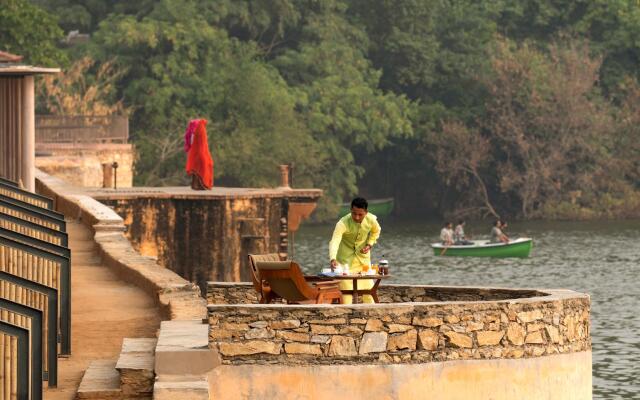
{"x":351,"y":243}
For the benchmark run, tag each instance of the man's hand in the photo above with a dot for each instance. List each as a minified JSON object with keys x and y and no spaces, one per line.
{"x":365,"y":249}
{"x":334,"y":264}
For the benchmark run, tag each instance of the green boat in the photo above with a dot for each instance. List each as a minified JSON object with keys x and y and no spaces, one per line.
{"x":377,"y":207}
{"x":483,"y":248}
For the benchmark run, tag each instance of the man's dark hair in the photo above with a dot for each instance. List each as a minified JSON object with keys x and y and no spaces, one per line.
{"x":360,"y":202}
{"x":446,"y":224}
{"x":460,"y":221}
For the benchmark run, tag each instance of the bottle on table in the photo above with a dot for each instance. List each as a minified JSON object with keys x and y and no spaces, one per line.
{"x":383,"y":266}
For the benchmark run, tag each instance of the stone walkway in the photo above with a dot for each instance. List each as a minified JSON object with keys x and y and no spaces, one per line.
{"x":104,"y":311}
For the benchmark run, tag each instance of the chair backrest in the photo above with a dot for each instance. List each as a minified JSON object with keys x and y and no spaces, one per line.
{"x":286,"y":280}
{"x":255,"y":274}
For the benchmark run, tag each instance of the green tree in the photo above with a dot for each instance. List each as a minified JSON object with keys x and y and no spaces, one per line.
{"x":182,"y":67}
{"x":30,"y":31}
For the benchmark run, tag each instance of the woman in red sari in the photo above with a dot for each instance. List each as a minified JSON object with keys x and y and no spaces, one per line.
{"x":199,"y":161}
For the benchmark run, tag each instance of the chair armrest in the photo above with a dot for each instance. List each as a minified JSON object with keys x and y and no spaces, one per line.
{"x":323,"y":284}
{"x":317,"y":278}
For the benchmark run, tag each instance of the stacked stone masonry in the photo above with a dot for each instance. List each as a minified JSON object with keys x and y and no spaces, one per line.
{"x":485,"y":324}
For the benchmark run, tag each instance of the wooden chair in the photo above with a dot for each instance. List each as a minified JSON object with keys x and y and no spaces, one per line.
{"x":264,"y":291}
{"x":286,"y":280}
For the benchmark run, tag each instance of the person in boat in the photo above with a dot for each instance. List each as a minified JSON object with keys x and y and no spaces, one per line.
{"x":446,"y":234}
{"x":353,"y":238}
{"x":459,"y":238}
{"x":497,"y":235}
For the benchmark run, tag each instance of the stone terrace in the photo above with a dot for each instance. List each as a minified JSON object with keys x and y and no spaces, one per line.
{"x":413,"y":324}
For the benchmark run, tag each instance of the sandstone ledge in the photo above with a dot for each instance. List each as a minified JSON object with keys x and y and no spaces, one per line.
{"x":176,"y":297}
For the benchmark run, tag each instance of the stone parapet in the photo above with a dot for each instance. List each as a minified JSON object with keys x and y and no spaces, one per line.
{"x":244,"y":293}
{"x":484,"y":324}
{"x":176,"y":297}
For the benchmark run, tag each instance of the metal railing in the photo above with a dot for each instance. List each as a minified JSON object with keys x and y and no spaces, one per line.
{"x":31,"y":319}
{"x":32,"y":229}
{"x":41,"y":297}
{"x":37,"y":217}
{"x":26,"y":196}
{"x":22,"y":255}
{"x":9,"y":182}
{"x":35,"y":292}
{"x":82,"y":129}
{"x":17,"y":376}
{"x":29,"y":206}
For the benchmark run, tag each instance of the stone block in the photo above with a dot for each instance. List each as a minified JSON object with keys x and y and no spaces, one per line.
{"x":183,"y":348}
{"x":515,"y":334}
{"x":451,"y":319}
{"x":407,"y":340}
{"x":374,"y":325}
{"x":530,"y":316}
{"x":229,"y":326}
{"x":358,"y":321}
{"x":302,"y":348}
{"x":535,"y":338}
{"x":342,"y":346}
{"x":373,"y":342}
{"x":259,"y":333}
{"x":100,"y":381}
{"x":489,"y":338}
{"x":553,"y":333}
{"x":534,"y":327}
{"x":136,"y":373}
{"x":459,"y":340}
{"x":350,"y":331}
{"x":474,"y":326}
{"x":538,"y":351}
{"x":395,"y":328}
{"x":428,"y":339}
{"x":429,"y":322}
{"x":322,"y":339}
{"x":330,"y":321}
{"x":258,"y":324}
{"x":285,"y":324}
{"x":324,"y":329}
{"x":249,"y":347}
{"x":290,"y":336}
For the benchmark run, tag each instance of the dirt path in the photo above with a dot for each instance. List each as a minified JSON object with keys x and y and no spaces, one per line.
{"x":104,"y":311}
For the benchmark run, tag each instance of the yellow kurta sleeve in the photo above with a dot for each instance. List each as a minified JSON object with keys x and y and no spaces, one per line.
{"x":334,"y":244}
{"x":374,"y":233}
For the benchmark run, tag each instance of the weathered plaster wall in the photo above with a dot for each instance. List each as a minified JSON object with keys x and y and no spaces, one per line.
{"x":560,"y":376}
{"x":205,"y":238}
{"x":81,"y":164}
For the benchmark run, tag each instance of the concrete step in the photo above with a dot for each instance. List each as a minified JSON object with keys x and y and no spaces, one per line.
{"x":135,"y":366}
{"x":100,"y":381}
{"x":183,"y":349}
{"x":188,"y":388}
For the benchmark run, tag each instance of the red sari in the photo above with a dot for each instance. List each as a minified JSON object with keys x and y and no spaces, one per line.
{"x":199,"y":161}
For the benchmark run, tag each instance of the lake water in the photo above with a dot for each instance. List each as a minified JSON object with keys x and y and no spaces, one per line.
{"x":599,"y":258}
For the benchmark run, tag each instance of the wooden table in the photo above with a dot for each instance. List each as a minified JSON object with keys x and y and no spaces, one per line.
{"x":355,"y":292}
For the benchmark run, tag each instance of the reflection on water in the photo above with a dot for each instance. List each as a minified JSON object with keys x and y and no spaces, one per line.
{"x":599,"y":258}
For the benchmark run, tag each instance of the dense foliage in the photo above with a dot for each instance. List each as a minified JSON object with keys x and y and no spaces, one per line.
{"x":476,"y":107}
